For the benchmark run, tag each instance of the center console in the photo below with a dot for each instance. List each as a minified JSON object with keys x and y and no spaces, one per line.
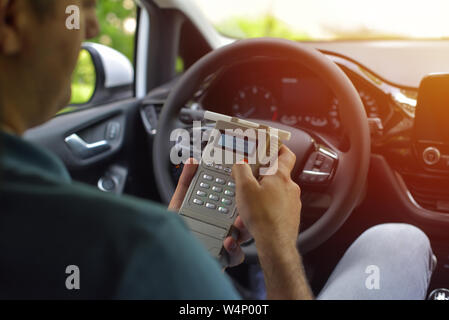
{"x":431,"y":131}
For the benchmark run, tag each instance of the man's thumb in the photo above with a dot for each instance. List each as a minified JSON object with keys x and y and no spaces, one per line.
{"x":242,"y":174}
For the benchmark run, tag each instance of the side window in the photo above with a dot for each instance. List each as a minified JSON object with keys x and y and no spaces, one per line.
{"x":117,"y":19}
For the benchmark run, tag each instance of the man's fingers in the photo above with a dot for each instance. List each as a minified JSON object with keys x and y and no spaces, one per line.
{"x":286,"y":158}
{"x":236,"y":255}
{"x":187,"y":173}
{"x":243,"y":176}
{"x":244,"y":234}
{"x":183,"y":185}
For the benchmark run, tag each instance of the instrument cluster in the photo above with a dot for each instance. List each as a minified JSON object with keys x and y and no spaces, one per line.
{"x":292,"y":96}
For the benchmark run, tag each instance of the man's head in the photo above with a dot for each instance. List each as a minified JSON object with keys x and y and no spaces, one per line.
{"x":38,"y":54}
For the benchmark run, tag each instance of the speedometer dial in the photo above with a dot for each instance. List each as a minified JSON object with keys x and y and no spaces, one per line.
{"x":255,"y":102}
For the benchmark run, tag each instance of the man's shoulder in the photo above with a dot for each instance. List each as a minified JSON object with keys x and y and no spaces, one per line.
{"x":82,"y":205}
{"x":139,"y":247}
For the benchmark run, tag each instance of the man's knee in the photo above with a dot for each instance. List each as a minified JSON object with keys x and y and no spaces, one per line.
{"x":395,"y":236}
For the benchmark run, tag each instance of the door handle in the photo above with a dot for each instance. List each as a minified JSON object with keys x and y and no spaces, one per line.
{"x":86,"y":150}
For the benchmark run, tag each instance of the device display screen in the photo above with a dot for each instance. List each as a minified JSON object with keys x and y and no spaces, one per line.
{"x":432,"y":111}
{"x":236,"y":144}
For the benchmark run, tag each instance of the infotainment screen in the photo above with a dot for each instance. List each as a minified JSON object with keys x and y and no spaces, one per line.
{"x":432,"y":111}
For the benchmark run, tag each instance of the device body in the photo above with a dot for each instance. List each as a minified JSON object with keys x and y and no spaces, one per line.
{"x":209,"y":208}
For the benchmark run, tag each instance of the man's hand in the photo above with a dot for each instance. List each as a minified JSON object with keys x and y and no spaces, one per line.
{"x":271,"y":208}
{"x":232,"y":246}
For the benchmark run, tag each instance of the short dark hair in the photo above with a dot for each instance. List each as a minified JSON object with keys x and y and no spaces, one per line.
{"x":42,"y":7}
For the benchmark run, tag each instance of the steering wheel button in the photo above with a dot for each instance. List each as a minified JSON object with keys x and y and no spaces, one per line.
{"x":310,"y":163}
{"x":322,"y":179}
{"x":319,"y":163}
{"x":327,"y":165}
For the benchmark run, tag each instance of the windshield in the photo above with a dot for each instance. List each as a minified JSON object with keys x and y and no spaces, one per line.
{"x":315,"y":20}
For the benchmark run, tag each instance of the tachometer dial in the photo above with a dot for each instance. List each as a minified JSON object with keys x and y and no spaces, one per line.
{"x":255,"y":102}
{"x":334,"y":116}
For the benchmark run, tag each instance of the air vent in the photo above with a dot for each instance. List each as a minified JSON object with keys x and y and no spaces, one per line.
{"x":431,"y":193}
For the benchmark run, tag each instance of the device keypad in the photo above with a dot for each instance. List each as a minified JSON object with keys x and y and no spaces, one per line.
{"x":215,"y":193}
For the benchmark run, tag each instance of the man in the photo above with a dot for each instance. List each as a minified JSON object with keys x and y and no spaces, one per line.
{"x":52,"y":229}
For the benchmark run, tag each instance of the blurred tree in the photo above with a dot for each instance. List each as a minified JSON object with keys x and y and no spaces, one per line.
{"x":117,"y":25}
{"x":117,"y":19}
{"x":83,"y":80}
{"x":265,"y":25}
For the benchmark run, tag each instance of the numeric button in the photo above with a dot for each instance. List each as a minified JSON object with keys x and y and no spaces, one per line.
{"x":223,"y":210}
{"x":210,"y":206}
{"x":208,"y":177}
{"x":204,"y":185}
{"x":220,"y":181}
{"x":198,"y":202}
{"x":226,"y":202}
{"x":201,"y":193}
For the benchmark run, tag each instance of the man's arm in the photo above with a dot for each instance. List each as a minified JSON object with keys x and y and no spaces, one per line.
{"x":270,"y":208}
{"x":284,"y":274}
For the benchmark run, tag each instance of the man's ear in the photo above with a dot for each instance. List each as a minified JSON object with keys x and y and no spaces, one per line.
{"x":9,"y":37}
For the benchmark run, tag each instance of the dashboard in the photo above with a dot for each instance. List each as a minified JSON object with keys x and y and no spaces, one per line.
{"x":400,"y":187}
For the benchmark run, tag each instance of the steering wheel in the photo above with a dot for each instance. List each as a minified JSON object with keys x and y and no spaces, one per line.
{"x":348,"y":174}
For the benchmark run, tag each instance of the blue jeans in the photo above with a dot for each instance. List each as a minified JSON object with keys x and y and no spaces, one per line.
{"x":387,"y":262}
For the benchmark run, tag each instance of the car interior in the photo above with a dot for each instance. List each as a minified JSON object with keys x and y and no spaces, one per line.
{"x":367,"y":117}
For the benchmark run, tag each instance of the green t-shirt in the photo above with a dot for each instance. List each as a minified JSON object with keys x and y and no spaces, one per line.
{"x":124,"y":248}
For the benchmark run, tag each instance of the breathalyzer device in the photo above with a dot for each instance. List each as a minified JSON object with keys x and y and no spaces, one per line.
{"x":209,"y":207}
